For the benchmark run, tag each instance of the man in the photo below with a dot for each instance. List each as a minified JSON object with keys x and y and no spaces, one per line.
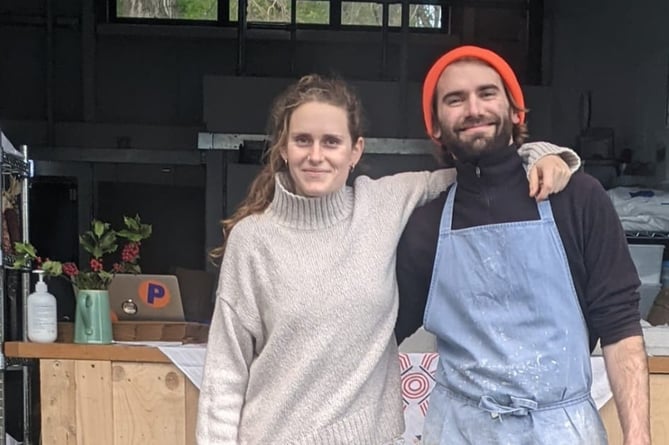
{"x":516,"y":292}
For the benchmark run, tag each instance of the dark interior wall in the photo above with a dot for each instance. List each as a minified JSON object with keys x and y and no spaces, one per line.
{"x":156,"y":80}
{"x":176,"y":216}
{"x":169,"y":197}
{"x":240,"y":105}
{"x":235,"y":104}
{"x":159,"y":79}
{"x":619,"y":51}
{"x":355,"y":55}
{"x":121,"y":84}
{"x":22,"y":73}
{"x":24,"y":62}
{"x":149,"y":84}
{"x":95,"y":85}
{"x":67,"y":76}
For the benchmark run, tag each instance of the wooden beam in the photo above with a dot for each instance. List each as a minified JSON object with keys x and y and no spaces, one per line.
{"x":72,"y":351}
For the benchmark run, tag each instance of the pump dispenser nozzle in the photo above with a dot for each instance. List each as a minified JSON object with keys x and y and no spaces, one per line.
{"x":40,"y":286}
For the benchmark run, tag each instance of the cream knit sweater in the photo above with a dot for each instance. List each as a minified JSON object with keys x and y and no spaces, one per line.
{"x":301,"y":347}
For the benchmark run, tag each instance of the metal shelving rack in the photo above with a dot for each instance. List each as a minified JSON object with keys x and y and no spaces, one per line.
{"x":15,"y":164}
{"x":646,"y":235}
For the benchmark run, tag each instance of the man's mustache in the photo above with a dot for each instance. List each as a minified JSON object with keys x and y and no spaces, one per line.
{"x":475,"y":122}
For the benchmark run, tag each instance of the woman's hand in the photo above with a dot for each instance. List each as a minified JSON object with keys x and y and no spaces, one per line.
{"x":549,"y":175}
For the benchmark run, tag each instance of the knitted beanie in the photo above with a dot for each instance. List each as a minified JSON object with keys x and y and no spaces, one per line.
{"x":487,"y":56}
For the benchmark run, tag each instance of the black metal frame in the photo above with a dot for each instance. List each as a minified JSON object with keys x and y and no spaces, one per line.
{"x":223,"y":19}
{"x":534,"y":10}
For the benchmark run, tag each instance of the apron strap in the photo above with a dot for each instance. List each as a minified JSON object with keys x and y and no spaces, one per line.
{"x":545,"y":210}
{"x":519,"y":406}
{"x":447,"y":212}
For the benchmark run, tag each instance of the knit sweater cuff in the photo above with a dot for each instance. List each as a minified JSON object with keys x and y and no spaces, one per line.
{"x":534,"y":151}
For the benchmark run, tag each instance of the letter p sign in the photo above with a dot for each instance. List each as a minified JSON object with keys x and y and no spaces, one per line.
{"x":154,"y":294}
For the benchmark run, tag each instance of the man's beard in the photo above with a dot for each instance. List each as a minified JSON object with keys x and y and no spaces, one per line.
{"x":479,"y":145}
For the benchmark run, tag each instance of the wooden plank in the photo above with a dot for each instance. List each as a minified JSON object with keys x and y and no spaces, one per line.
{"x":609,"y":415}
{"x":192,"y":397}
{"x":185,"y":332}
{"x":658,"y":365}
{"x":94,"y":402}
{"x":57,"y":398}
{"x":659,"y":406}
{"x":129,"y":353}
{"x":659,"y":413}
{"x":181,"y":331}
{"x":149,"y":404}
{"x":72,"y":351}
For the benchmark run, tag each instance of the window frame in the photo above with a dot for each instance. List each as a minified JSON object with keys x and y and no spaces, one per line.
{"x":223,"y":18}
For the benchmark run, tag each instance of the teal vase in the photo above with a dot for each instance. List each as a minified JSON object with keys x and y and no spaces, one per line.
{"x":92,"y":319}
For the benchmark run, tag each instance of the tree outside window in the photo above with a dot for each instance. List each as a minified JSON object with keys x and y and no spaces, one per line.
{"x":353,"y":13}
{"x":168,"y":9}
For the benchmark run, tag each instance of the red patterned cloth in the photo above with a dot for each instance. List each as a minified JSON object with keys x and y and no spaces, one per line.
{"x":417,"y":382}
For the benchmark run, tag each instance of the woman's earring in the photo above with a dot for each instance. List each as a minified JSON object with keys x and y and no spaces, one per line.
{"x":285,"y":161}
{"x":352,"y":167}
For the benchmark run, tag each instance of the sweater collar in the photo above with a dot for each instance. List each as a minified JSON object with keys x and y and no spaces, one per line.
{"x":495,"y":168}
{"x":306,"y":213}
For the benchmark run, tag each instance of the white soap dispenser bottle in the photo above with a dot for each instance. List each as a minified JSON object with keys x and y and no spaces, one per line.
{"x":41,"y":315}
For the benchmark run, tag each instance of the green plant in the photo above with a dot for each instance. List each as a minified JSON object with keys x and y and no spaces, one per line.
{"x":99,"y":241}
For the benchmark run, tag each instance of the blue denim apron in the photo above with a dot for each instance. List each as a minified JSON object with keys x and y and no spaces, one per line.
{"x":514,"y":363}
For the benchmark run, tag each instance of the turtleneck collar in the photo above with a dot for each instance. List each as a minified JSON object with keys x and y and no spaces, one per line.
{"x":496,"y":168}
{"x":306,"y":213}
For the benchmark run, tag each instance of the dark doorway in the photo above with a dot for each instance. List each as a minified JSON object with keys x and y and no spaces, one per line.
{"x":175,"y":212}
{"x":53,"y":230}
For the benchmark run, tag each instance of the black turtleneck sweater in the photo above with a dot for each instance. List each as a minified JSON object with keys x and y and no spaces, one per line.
{"x":494,"y":191}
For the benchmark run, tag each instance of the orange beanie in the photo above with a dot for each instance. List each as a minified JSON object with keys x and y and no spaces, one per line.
{"x":487,"y":56}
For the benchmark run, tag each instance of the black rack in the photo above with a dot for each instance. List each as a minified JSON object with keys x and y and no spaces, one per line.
{"x":13,"y":165}
{"x":14,"y":288}
{"x":650,"y":235}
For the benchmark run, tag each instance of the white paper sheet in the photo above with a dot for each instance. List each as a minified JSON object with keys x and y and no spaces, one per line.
{"x":656,"y":338}
{"x":189,"y":359}
{"x":9,"y":440}
{"x":600,"y":391}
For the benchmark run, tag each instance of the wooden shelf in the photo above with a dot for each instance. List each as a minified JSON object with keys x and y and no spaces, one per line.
{"x":72,"y":351}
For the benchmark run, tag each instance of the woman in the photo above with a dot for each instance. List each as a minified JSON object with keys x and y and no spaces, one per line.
{"x":301,"y":347}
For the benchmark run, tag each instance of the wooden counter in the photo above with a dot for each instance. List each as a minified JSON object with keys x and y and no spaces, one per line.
{"x":127,"y":395}
{"x":110,"y":395}
{"x":129,"y":353}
